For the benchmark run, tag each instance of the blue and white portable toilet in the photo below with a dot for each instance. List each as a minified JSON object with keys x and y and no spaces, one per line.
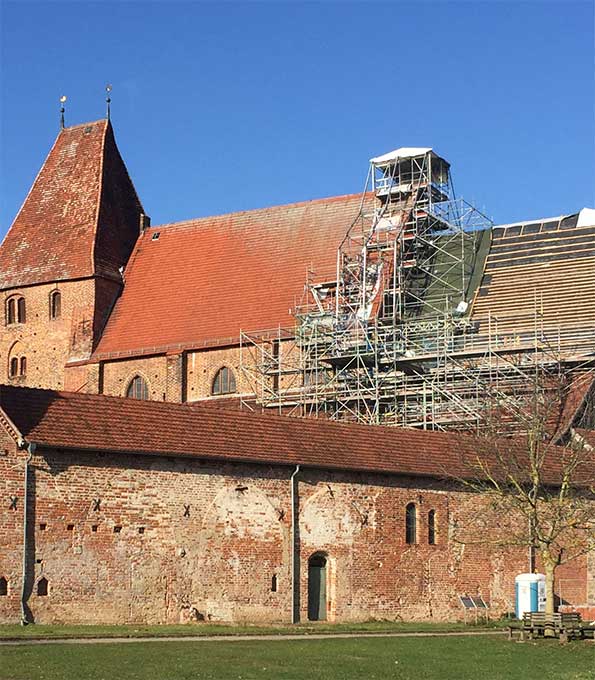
{"x":529,"y":593}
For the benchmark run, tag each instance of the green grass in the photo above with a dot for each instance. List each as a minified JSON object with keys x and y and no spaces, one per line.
{"x":13,"y":631}
{"x":459,"y":658}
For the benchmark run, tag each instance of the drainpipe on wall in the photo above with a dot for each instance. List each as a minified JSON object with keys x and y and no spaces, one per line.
{"x":294,"y":553}
{"x":31,"y":450}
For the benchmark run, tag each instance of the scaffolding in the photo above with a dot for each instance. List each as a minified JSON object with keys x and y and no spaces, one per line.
{"x":390,"y":340}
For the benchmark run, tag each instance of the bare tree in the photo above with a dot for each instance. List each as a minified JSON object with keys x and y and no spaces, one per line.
{"x":536,"y":473}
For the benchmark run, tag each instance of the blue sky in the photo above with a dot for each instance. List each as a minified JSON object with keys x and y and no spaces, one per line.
{"x":223,"y":106}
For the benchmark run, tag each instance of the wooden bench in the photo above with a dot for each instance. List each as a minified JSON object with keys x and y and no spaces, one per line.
{"x":539,"y":624}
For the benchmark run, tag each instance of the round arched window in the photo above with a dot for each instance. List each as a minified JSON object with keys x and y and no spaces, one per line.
{"x":55,"y":304}
{"x":224,"y":381}
{"x":138,"y":388}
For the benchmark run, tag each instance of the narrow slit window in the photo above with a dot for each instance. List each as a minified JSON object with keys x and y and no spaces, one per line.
{"x":411,"y":524}
{"x":55,"y":304}
{"x":21,"y":310}
{"x":11,"y":315}
{"x":42,"y":587}
{"x":274,"y":583}
{"x":23,"y":366}
{"x":3,"y":587}
{"x":13,"y":369}
{"x":432,"y":527}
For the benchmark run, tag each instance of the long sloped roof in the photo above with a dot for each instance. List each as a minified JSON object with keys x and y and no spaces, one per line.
{"x":539,"y":276}
{"x":85,"y":422}
{"x":199,"y":282}
{"x":81,"y":216}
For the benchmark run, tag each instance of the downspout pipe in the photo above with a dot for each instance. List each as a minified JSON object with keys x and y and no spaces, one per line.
{"x":294,"y":552}
{"x":30,"y":447}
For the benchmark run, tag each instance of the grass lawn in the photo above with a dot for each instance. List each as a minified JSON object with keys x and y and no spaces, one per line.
{"x":87,"y":631}
{"x":459,"y":658}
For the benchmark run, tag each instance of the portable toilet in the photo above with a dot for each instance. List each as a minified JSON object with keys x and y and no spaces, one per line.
{"x":529,"y":593}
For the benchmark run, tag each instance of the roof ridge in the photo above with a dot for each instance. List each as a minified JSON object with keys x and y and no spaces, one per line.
{"x":193,"y":406}
{"x":80,"y":125}
{"x":193,"y":220}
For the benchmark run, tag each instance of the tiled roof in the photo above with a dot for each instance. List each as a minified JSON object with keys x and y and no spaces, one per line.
{"x":200,"y":282}
{"x":81,"y":216}
{"x":98,"y":423}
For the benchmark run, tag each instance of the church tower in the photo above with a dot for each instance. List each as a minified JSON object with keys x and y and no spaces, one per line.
{"x":61,"y":261}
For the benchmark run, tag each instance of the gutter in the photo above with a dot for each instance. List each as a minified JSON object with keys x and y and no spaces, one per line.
{"x":30,"y":450}
{"x":295,"y":614}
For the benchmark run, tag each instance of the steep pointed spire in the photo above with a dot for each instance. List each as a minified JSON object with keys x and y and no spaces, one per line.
{"x":81,"y":216}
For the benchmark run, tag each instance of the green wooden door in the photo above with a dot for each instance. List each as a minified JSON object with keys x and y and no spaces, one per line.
{"x":317,"y":588}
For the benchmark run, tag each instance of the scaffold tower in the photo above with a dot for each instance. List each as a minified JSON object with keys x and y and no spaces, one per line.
{"x":390,"y":339}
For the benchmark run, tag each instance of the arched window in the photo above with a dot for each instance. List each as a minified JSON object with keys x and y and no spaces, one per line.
{"x":224,"y":381}
{"x":411,"y":524}
{"x":138,"y":388}
{"x":3,"y":587}
{"x":432,"y":527}
{"x":21,"y":311}
{"x":15,"y":310}
{"x":55,"y":304}
{"x":11,"y":311}
{"x":17,"y":364}
{"x":42,"y":586}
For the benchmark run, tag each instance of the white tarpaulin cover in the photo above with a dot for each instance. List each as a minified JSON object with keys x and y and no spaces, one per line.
{"x":586,"y":218}
{"x":403,"y":152}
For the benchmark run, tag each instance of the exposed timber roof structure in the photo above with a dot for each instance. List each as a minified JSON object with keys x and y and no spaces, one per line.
{"x":435,"y":319}
{"x":401,"y":305}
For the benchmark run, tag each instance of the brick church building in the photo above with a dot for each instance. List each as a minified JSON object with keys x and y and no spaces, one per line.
{"x":133,"y":487}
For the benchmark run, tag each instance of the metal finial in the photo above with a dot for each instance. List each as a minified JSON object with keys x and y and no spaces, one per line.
{"x":108,"y":101}
{"x":62,"y":102}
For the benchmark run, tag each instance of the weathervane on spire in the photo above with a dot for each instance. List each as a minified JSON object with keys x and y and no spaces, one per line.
{"x":62,"y":102}
{"x":108,"y":100}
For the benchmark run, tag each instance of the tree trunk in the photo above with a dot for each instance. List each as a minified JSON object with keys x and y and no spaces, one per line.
{"x":549,"y":568}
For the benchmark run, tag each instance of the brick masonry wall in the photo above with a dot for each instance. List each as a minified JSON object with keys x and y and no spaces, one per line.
{"x":118,"y":374}
{"x":174,"y":377}
{"x":48,"y":343}
{"x":140,"y":539}
{"x":11,"y":524}
{"x":189,"y":376}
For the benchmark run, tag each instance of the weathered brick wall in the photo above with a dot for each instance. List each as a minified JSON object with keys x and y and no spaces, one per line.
{"x":118,"y":374}
{"x":202,"y":366}
{"x":139,"y":539}
{"x":48,"y":343}
{"x":175,"y":376}
{"x":11,"y":524}
{"x":188,"y":375}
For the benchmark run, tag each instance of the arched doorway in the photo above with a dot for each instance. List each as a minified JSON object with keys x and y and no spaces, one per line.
{"x":317,"y":587}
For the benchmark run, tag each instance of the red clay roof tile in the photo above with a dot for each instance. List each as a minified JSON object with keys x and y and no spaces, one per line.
{"x":99,"y":423}
{"x":81,"y":216}
{"x":203,"y":280}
